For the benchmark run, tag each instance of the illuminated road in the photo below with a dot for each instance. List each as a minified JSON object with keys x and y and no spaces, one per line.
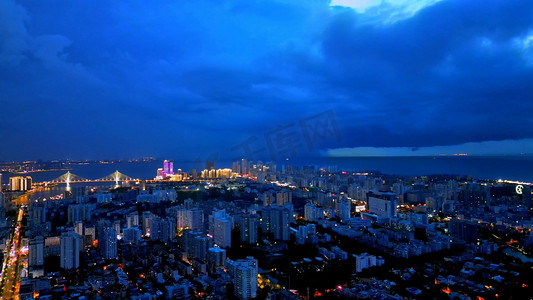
{"x":13,"y":262}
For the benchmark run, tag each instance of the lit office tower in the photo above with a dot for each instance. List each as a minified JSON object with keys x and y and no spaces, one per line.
{"x":244,"y":167}
{"x":244,"y":272}
{"x":70,"y":250}
{"x":382,"y":204}
{"x":1,"y":183}
{"x":248,"y":227}
{"x":168,"y":167}
{"x":19,"y":183}
{"x":36,"y":252}
{"x":109,"y":244}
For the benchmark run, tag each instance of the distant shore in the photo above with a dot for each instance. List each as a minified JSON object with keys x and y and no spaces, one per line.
{"x":39,"y":171}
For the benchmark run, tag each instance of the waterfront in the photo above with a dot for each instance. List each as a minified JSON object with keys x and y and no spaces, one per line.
{"x":479,"y":167}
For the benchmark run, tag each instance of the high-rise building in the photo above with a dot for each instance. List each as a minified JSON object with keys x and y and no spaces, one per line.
{"x":132,"y":235}
{"x":2,"y":209}
{"x":244,"y":272}
{"x":108,"y":244}
{"x":193,"y":240}
{"x":311,"y":212}
{"x":463,"y":230}
{"x":70,"y":250}
{"x":222,"y":230}
{"x":132,"y":220}
{"x":283,"y":197}
{"x":248,"y":227}
{"x":474,"y":195}
{"x":162,"y":229}
{"x":301,"y":235}
{"x":36,"y":252}
{"x":344,"y":209}
{"x":235,"y":167}
{"x":364,"y":261}
{"x":382,"y":204}
{"x":216,"y":257}
{"x":276,"y":220}
{"x":1,"y":183}
{"x":190,"y":218}
{"x":268,"y":198}
{"x":19,"y":183}
{"x":526,"y":196}
{"x":244,"y":167}
{"x":147,"y":222}
{"x":90,"y":235}
{"x":168,"y":167}
{"x":200,"y":250}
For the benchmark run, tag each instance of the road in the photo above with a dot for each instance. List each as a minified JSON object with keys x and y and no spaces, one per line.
{"x":13,"y":262}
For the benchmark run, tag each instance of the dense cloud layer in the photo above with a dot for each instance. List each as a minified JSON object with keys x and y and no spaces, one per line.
{"x":93,"y":79}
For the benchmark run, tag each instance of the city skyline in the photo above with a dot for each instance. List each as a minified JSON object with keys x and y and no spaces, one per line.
{"x":173,"y":79}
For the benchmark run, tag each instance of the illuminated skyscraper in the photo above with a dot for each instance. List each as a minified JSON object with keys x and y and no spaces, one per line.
{"x":1,"y":183}
{"x":244,"y":167}
{"x":19,"y":183}
{"x":168,"y":167}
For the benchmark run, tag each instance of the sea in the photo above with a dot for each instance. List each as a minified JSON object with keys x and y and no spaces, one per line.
{"x":519,"y":168}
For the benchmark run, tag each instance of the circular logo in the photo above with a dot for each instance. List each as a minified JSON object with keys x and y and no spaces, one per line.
{"x":519,"y":188}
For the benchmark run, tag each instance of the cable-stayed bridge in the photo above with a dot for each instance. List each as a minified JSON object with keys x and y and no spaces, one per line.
{"x":69,"y":178}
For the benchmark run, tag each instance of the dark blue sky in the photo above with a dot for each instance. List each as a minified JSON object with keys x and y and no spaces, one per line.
{"x":187,"y":79}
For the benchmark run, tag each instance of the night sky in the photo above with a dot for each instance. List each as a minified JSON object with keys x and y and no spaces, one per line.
{"x":189,"y":78}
